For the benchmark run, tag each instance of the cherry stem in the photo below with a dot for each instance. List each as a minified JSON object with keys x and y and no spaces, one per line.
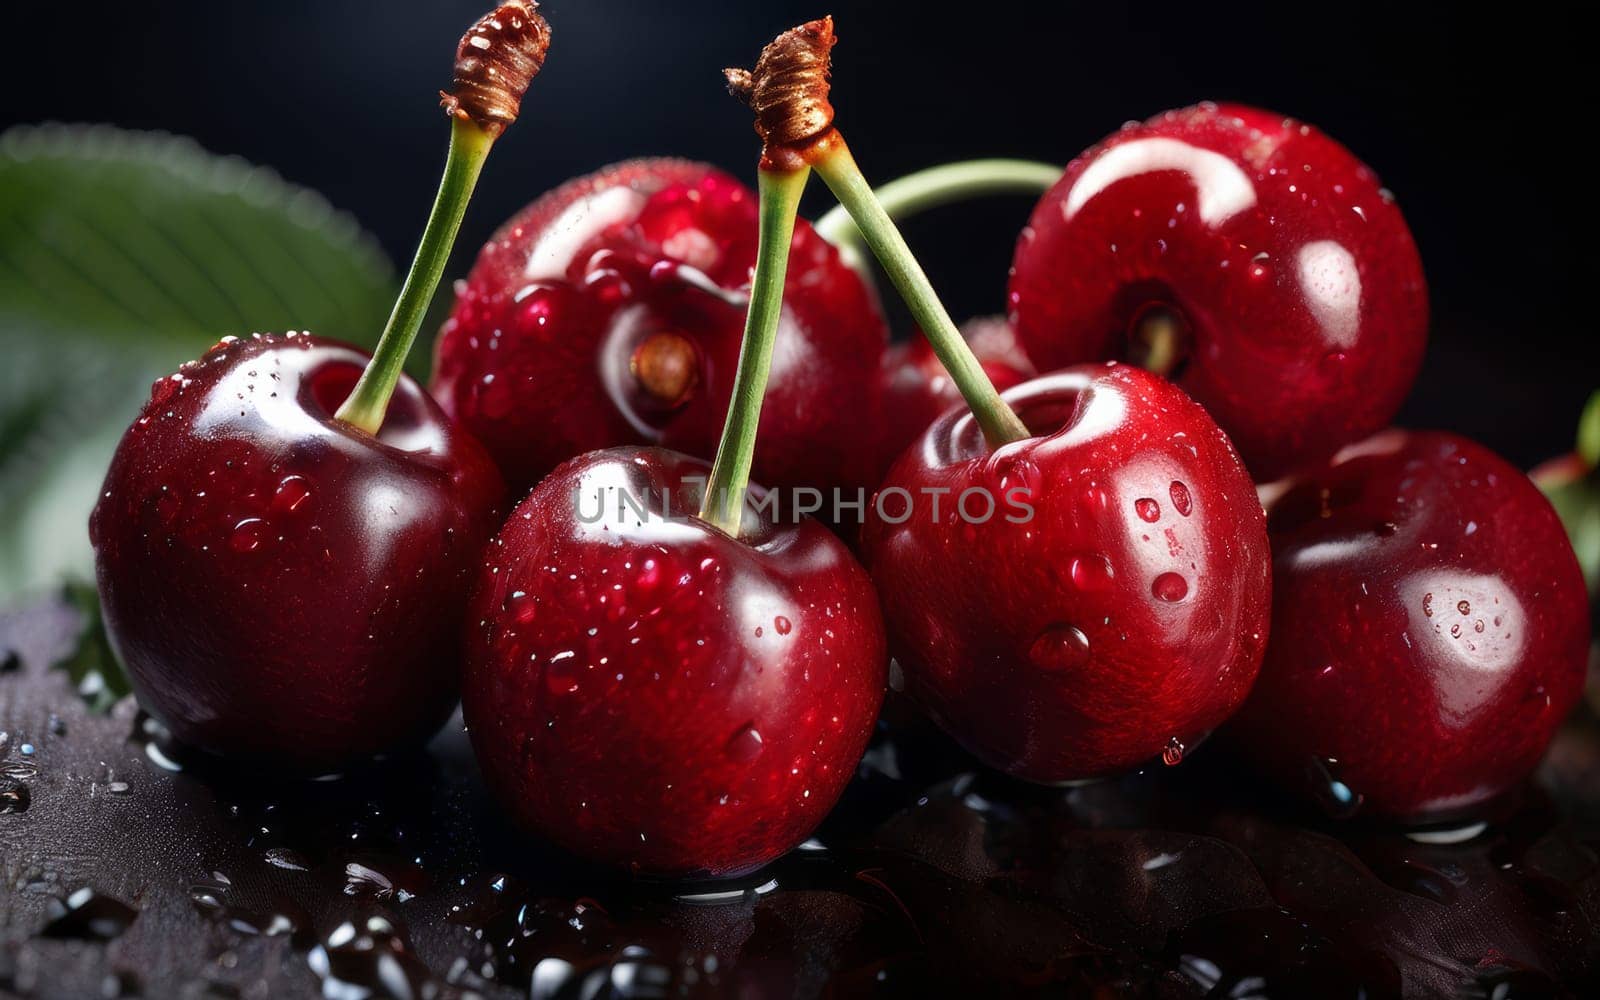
{"x":369,"y":401}
{"x":935,"y":187}
{"x":838,"y":169}
{"x":1159,"y":341}
{"x":1589,"y":432}
{"x":730,"y":473}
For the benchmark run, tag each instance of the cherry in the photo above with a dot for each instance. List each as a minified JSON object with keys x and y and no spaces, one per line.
{"x":652,"y":692}
{"x":1072,"y":589}
{"x":1109,"y":609}
{"x":610,"y":310}
{"x":1430,"y":629}
{"x":917,"y":388}
{"x":664,"y":676}
{"x":1250,"y":258}
{"x":284,"y":588}
{"x":286,"y":534}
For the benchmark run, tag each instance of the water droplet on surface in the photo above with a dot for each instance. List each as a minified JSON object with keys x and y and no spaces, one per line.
{"x":782,"y":624}
{"x":745,"y":745}
{"x":1464,"y":607}
{"x":1170,"y":587}
{"x":292,"y":494}
{"x":1147,"y":509}
{"x":1060,"y":647}
{"x":88,"y":915}
{"x":1181,"y":500}
{"x":247,"y":534}
{"x":1337,"y":799}
{"x":1091,"y":571}
{"x":521,"y":606}
{"x":1172,"y":753}
{"x":288,"y":860}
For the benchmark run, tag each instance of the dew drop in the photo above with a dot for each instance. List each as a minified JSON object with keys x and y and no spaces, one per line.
{"x":745,"y":745}
{"x":520,"y":605}
{"x":246,"y":535}
{"x":292,"y":494}
{"x":782,"y":624}
{"x":1091,"y":571}
{"x":1427,"y":605}
{"x":1172,"y":753}
{"x":1464,"y":607}
{"x":1147,"y":509}
{"x":1337,"y":799}
{"x":1170,"y":587}
{"x":1181,"y":500}
{"x":1060,"y":647}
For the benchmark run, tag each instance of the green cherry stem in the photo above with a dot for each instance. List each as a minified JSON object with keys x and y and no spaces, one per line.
{"x":367,"y":403}
{"x":730,"y":473}
{"x":1589,"y":432}
{"x":838,"y":170}
{"x":935,"y":187}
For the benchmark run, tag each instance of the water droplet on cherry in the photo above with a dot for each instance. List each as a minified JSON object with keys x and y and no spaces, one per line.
{"x":1091,"y":571}
{"x":1170,"y":587}
{"x":1172,"y":753}
{"x":292,"y":494}
{"x":1060,"y":647}
{"x":1147,"y":509}
{"x":247,"y":534}
{"x":1181,"y":500}
{"x":745,"y":745}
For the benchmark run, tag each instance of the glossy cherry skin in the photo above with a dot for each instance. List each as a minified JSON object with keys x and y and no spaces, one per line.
{"x":916,"y":387}
{"x":1430,"y":629}
{"x":1289,"y":265}
{"x":283,"y":589}
{"x":652,"y":693}
{"x":1120,"y":621}
{"x":541,"y":356}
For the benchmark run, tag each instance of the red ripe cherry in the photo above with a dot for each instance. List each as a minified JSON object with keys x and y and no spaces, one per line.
{"x":610,"y":312}
{"x":1247,"y":256}
{"x":1109,"y":609}
{"x":283,"y":588}
{"x":650,"y":692}
{"x":917,"y":388}
{"x":1429,"y":633}
{"x":287,"y":532}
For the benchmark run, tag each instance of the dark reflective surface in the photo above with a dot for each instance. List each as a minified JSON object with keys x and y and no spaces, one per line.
{"x":932,"y":876}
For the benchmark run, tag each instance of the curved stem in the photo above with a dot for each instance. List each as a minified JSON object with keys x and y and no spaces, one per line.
{"x":838,"y":168}
{"x":730,"y":473}
{"x":469,"y":147}
{"x":945,"y":184}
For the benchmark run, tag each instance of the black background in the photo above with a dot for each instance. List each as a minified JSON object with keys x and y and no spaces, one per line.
{"x":1480,"y":126}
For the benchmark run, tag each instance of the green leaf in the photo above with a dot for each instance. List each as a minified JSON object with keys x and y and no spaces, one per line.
{"x":123,"y":254}
{"x":92,"y":665}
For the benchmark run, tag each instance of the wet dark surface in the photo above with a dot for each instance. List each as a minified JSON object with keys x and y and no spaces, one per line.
{"x":122,"y":876}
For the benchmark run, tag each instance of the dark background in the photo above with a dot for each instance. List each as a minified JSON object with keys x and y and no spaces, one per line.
{"x":1479,"y":126}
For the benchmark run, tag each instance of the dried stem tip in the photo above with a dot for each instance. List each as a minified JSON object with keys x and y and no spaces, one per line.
{"x":788,"y":89}
{"x":497,"y":58}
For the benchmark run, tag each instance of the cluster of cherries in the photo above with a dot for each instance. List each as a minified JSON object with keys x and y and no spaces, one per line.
{"x":303,"y":555}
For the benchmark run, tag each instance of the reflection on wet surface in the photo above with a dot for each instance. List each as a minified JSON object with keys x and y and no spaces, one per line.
{"x":932,"y":874}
